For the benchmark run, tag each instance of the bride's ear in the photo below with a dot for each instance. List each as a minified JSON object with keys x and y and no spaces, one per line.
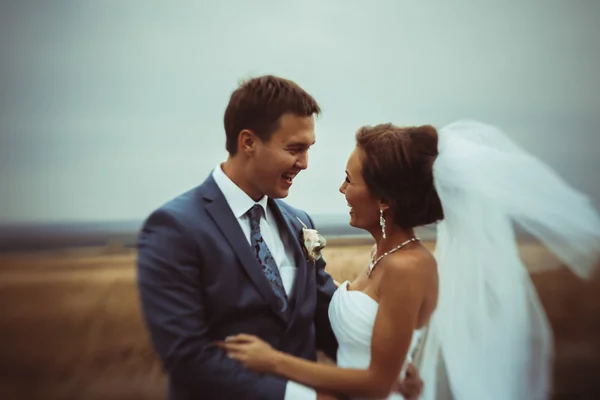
{"x":384,"y":205}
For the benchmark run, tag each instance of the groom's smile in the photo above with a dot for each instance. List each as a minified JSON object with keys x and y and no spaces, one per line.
{"x":289,"y":177}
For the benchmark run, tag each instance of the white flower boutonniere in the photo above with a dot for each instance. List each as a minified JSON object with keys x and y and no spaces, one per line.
{"x":313,"y":243}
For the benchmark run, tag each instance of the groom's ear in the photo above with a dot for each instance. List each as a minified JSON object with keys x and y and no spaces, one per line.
{"x":246,"y":141}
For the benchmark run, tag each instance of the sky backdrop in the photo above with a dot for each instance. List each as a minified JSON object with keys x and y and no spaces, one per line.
{"x":110,"y":108}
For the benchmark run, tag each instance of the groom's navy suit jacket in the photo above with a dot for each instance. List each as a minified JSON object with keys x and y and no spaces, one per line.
{"x":200,"y":282}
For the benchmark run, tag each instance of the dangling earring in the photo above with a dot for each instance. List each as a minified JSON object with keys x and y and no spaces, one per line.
{"x":382,"y":222}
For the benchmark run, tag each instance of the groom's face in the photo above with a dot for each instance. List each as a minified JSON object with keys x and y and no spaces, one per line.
{"x":276,"y":162}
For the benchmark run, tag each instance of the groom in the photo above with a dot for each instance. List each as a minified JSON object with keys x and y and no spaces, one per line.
{"x":226,"y":257}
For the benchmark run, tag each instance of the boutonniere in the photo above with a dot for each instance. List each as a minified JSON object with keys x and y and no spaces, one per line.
{"x":312,"y":243}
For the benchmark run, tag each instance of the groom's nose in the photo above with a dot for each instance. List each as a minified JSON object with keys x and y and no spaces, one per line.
{"x":302,"y":160}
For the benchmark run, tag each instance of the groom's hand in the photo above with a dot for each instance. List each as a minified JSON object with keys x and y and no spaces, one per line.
{"x":323,"y":396}
{"x":411,"y":386}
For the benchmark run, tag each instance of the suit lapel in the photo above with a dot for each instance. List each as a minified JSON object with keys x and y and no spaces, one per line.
{"x":220,"y":212}
{"x":294,"y":231}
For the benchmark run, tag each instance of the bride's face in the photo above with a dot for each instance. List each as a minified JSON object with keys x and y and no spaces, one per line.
{"x":364,"y":208}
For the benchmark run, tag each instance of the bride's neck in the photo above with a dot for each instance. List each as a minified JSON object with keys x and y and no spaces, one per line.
{"x":394,"y":237}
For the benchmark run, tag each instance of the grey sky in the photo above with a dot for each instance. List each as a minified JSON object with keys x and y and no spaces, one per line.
{"x":110,"y":108}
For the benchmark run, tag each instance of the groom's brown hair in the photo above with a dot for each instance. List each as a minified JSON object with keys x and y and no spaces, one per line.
{"x":258,"y":104}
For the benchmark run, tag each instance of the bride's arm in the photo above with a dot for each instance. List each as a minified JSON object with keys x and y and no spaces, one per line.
{"x":402,"y":292}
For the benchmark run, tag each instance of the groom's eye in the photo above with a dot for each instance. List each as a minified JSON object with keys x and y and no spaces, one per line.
{"x":296,"y":149}
{"x":347,"y":180}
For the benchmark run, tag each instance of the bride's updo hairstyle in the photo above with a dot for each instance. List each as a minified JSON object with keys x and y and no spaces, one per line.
{"x":398,"y":168}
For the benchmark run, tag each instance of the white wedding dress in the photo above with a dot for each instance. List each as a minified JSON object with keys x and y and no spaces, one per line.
{"x":352,"y":315}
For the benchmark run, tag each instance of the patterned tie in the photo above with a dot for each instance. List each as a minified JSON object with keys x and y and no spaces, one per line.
{"x":264,"y":257}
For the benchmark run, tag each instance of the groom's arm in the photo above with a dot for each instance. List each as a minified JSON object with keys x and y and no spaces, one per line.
{"x":172,"y":302}
{"x":326,"y":340}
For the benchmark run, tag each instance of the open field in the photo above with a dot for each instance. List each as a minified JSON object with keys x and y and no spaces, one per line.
{"x":70,"y":325}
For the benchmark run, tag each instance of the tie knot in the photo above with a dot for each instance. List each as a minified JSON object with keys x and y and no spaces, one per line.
{"x":255,"y":213}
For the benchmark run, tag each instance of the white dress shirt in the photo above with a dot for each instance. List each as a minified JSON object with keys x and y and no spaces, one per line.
{"x":278,"y":241}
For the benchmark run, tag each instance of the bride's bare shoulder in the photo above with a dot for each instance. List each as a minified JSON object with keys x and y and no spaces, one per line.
{"x":417,"y":265}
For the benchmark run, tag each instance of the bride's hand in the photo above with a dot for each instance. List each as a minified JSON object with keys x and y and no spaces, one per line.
{"x":253,"y":352}
{"x":411,"y":386}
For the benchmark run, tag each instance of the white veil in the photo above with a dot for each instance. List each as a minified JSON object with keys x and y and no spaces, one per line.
{"x":490,"y":330}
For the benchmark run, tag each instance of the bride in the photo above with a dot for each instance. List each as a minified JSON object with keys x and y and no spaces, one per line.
{"x":468,"y":315}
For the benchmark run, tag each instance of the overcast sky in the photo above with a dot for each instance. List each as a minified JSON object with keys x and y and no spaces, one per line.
{"x":110,"y":108}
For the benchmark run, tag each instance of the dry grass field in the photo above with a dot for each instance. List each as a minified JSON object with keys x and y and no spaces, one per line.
{"x":70,"y":326}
